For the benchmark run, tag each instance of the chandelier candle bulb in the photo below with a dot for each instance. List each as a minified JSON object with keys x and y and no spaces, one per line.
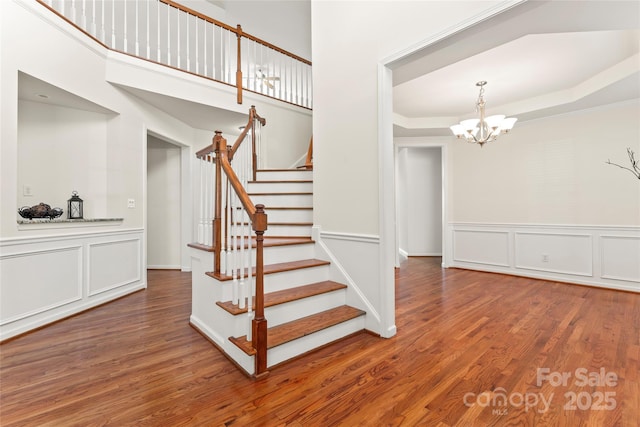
{"x":484,"y":129}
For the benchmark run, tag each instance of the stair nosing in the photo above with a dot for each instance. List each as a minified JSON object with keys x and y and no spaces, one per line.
{"x":245,"y":345}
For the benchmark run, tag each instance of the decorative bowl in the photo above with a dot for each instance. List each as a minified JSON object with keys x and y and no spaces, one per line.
{"x":41,"y":210}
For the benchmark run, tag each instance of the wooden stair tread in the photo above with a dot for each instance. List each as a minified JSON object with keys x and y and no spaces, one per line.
{"x":299,"y":328}
{"x":278,"y":268}
{"x":287,"y":295}
{"x":269,"y":241}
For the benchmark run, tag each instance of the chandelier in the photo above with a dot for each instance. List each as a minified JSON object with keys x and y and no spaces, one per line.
{"x":484,"y":129}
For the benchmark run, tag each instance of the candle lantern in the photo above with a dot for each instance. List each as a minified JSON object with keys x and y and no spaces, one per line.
{"x":74,"y":206}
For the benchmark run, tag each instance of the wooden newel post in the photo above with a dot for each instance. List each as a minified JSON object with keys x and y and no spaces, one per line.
{"x":219,"y":146}
{"x":239,"y":69}
{"x":259,"y":324}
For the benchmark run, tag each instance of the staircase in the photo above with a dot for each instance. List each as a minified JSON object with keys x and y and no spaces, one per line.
{"x":304,"y":308}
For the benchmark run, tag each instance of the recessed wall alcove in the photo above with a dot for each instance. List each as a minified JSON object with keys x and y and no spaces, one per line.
{"x":62,"y":147}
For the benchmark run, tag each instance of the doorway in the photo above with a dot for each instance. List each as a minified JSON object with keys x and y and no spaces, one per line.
{"x":420,"y":199}
{"x":163,"y":204}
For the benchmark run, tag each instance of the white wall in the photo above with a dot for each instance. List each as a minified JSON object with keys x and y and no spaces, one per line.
{"x":61,"y":150}
{"x":163,"y":204}
{"x":349,"y":41}
{"x":284,"y":23}
{"x":552,"y":171}
{"x":419,"y":198}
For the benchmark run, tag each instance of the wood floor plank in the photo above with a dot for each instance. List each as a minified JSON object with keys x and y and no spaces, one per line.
{"x":136,"y":361}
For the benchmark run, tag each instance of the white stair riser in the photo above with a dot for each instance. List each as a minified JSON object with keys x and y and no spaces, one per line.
{"x":288,"y":279}
{"x":288,"y":230}
{"x":283,"y":313}
{"x":277,"y":254}
{"x":280,"y":187}
{"x":288,"y":175}
{"x":289,"y":215}
{"x":281,"y":230}
{"x":307,"y":343}
{"x":283,"y":200}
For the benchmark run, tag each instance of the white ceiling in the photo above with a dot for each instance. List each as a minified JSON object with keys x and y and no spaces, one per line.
{"x":539,"y":58}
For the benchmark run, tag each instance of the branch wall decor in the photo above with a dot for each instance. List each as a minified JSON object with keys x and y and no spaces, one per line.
{"x":634,"y":169}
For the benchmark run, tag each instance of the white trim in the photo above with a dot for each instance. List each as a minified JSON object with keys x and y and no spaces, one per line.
{"x":536,"y":226}
{"x":444,"y":190}
{"x":363,"y":238}
{"x":387,"y":202}
{"x":366,"y":238}
{"x":11,"y":241}
{"x":164,"y":267}
{"x":461,"y":26}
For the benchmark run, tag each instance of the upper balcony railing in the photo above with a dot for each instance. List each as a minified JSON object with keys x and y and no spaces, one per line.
{"x":173,"y":35}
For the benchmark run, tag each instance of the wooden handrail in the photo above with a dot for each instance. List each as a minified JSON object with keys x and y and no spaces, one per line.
{"x":253,"y":116}
{"x":259,"y":223}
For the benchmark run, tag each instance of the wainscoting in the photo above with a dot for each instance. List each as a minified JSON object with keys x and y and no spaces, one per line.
{"x":45,"y":279}
{"x":607,"y":257}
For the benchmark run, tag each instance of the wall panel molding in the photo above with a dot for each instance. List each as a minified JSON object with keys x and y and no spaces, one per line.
{"x":102,"y":277}
{"x":488,"y":247}
{"x":554,"y":252}
{"x":620,"y":257}
{"x":603,"y":256}
{"x":47,"y":278}
{"x":36,"y":294}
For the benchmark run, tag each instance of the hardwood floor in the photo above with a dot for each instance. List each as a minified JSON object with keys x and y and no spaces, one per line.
{"x":467,"y":342}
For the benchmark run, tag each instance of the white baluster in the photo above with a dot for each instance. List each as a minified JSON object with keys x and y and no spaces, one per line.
{"x":240,"y":214}
{"x":213,"y":202}
{"x":137,"y":29}
{"x":125,"y":43}
{"x":113,"y":24}
{"x":148,"y":21}
{"x":159,"y":51}
{"x":234,"y":249}
{"x":229,"y":241}
{"x":62,"y":4}
{"x":188,"y":46}
{"x":204,"y":48}
{"x":199,"y":232}
{"x":103,"y":30}
{"x":224,"y":231}
{"x":178,"y":53}
{"x":197,"y":51}
{"x":207,"y":202}
{"x":168,"y":35}
{"x":74,"y":11}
